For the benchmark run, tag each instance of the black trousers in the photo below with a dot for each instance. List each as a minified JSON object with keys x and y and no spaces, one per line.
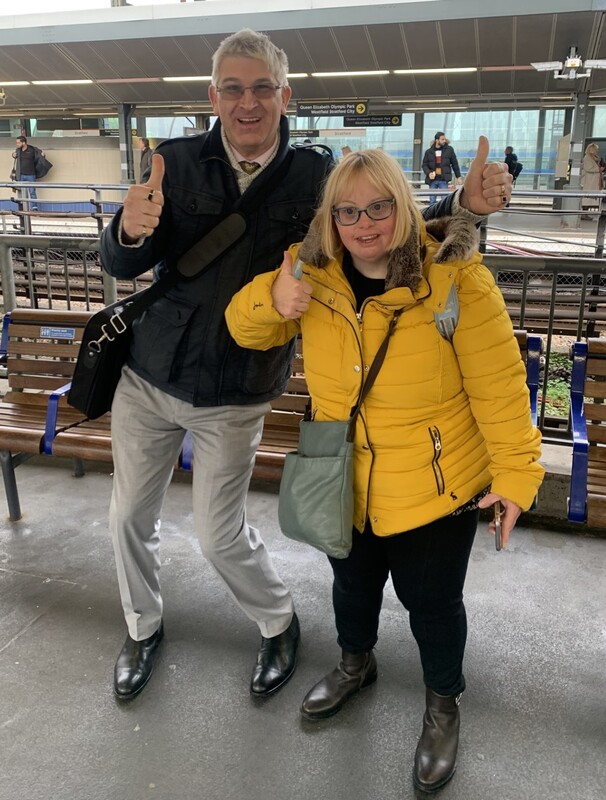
{"x":428,"y":566}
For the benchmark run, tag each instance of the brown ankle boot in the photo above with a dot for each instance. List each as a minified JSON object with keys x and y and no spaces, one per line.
{"x":355,"y":671}
{"x":436,"y":756}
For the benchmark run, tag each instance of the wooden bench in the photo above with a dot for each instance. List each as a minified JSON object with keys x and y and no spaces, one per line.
{"x":587,"y":501}
{"x":41,"y":351}
{"x":42,"y":348}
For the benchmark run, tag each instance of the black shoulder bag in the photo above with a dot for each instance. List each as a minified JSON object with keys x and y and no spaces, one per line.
{"x":107,"y":336}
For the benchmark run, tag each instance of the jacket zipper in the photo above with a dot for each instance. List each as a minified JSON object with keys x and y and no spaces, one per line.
{"x":437,"y":452}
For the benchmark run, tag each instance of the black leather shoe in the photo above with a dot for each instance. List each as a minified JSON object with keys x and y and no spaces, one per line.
{"x":329,"y":695}
{"x":135,"y":664}
{"x":276,"y":661}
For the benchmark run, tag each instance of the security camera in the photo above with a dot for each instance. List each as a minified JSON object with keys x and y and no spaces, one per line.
{"x":2,"y":97}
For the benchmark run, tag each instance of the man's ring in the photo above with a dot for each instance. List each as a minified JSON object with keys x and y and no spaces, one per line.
{"x":150,"y":196}
{"x":143,"y":230}
{"x":503,"y":197}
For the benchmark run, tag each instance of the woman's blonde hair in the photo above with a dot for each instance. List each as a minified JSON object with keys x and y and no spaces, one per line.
{"x":592,"y":149}
{"x":385,"y":174}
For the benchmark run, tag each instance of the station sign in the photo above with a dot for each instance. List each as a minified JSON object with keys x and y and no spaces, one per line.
{"x":340,"y":133}
{"x":309,"y":133}
{"x":335,"y":108}
{"x":376,"y":121}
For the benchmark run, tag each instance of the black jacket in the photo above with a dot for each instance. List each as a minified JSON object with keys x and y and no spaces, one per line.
{"x":181,"y":344}
{"x":449,"y":164}
{"x":41,"y":164}
{"x":511,"y":160}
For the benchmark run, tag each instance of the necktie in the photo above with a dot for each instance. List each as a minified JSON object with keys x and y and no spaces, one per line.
{"x":249,"y":166}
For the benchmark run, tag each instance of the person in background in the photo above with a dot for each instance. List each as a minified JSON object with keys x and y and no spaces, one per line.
{"x":30,"y":164}
{"x":510,"y":159}
{"x":146,"y":154}
{"x":184,"y":371}
{"x":346,"y":151}
{"x":444,"y":431}
{"x":591,"y":177}
{"x":439,"y":162}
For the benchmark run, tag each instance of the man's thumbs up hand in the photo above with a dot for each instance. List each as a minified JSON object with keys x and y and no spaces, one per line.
{"x":290,"y":296}
{"x":143,"y":204}
{"x":156,"y":176}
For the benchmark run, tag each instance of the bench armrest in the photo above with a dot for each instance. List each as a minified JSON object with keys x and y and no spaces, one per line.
{"x":534,"y":348}
{"x":52,"y":410}
{"x":577,"y":502}
{"x":6,"y":320}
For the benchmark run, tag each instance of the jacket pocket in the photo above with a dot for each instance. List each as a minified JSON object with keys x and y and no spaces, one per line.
{"x":194,"y":212}
{"x":160,"y":338}
{"x":291,"y":218}
{"x":436,"y":441}
{"x":267,"y":371}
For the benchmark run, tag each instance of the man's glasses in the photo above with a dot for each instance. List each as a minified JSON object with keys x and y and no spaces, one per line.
{"x":262,"y":91}
{"x":349,"y":215}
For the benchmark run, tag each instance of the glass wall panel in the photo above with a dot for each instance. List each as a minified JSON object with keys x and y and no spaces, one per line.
{"x":396,"y":140}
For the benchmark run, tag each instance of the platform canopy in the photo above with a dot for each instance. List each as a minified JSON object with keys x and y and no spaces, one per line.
{"x":126,"y":55}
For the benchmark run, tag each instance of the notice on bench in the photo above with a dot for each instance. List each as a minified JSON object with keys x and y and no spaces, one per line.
{"x":57,"y":333}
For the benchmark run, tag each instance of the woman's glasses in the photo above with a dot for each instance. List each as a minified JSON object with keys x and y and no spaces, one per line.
{"x":262,"y":91}
{"x":349,"y":215}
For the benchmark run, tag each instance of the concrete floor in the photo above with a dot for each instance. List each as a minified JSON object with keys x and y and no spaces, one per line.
{"x":533,"y":717}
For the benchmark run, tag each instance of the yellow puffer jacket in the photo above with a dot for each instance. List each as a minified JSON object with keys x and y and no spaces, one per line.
{"x":443,"y":420}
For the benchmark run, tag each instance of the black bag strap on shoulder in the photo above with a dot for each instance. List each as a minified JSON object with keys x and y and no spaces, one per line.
{"x":314,"y":146}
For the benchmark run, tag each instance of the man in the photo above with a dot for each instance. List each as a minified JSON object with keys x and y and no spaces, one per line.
{"x":513,"y":165}
{"x":185,"y":373}
{"x":146,"y":154}
{"x":439,"y":162}
{"x":30,"y":164}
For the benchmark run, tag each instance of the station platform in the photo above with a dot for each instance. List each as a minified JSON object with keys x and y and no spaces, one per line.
{"x":533,"y":715}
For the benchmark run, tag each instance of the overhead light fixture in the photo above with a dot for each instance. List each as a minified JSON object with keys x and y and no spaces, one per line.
{"x":128,"y":80}
{"x":435,"y":108}
{"x":185,"y":78}
{"x":433,"y":71}
{"x":298,"y":75}
{"x":570,"y":70}
{"x":426,"y":100}
{"x":61,"y":83}
{"x":351,"y":74}
{"x":15,"y":83}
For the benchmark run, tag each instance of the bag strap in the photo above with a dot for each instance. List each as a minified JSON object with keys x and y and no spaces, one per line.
{"x":204,"y":253}
{"x":372,"y":374}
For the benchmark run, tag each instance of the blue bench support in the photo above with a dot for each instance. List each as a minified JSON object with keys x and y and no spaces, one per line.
{"x":577,"y":502}
{"x":534,"y":345}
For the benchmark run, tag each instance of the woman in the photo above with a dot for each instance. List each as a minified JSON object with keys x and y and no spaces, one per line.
{"x":591,"y":177}
{"x":441,"y":423}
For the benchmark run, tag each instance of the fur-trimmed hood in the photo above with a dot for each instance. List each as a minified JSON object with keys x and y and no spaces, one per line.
{"x":459,"y":238}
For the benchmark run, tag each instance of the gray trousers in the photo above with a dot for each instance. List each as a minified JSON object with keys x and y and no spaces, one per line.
{"x":148,"y":427}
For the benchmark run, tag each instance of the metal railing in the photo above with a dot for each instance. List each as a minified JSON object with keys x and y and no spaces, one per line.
{"x":60,"y":272}
{"x":92,"y":203}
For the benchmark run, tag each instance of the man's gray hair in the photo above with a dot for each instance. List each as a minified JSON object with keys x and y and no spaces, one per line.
{"x":250,"y":44}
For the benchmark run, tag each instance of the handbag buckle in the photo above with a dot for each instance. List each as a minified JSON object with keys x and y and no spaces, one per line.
{"x":117,"y":324}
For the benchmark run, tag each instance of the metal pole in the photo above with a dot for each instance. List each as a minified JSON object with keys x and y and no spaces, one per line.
{"x":127,"y":166}
{"x":579,"y":127}
{"x":9,"y":295}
